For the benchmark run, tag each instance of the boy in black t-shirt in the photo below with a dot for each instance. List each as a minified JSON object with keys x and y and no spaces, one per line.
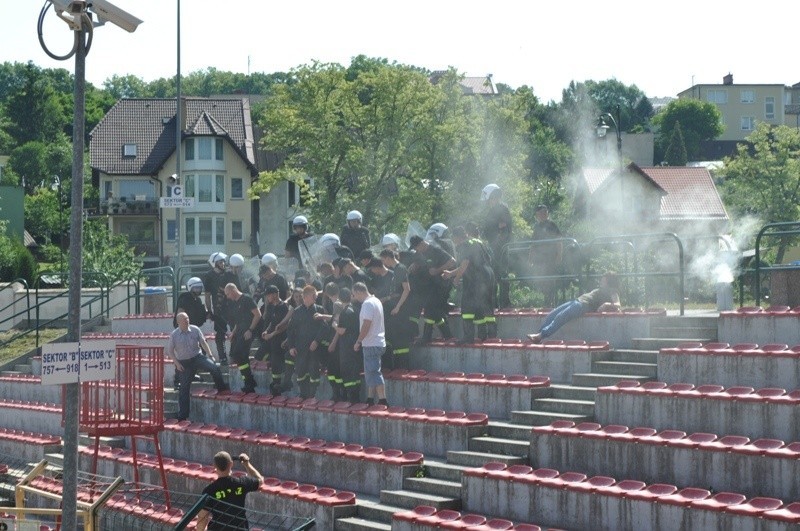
{"x":225,"y":508}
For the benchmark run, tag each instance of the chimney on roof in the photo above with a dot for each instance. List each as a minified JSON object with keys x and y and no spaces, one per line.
{"x":727,"y":80}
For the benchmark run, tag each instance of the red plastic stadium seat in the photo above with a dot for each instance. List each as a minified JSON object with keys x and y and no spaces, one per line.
{"x":663,"y":438}
{"x":444,"y":515}
{"x":539,"y":475}
{"x":734,"y":393}
{"x":725,"y":444}
{"x":680,"y":387}
{"x":498,"y":523}
{"x":694,"y":440}
{"x":633,"y":435}
{"x":594,"y":483}
{"x":653,"y":492}
{"x":755,"y":506}
{"x":564,"y":480}
{"x":791,"y":451}
{"x":775,"y":308}
{"x":744,"y":347}
{"x":760,"y":446}
{"x":527,"y":527}
{"x":774,"y":347}
{"x":716,"y":346}
{"x":605,"y":432}
{"x":790,"y":513}
{"x":685,"y":497}
{"x":466,"y":521}
{"x":417,"y":512}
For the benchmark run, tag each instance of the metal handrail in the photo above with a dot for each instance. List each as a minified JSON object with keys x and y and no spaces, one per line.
{"x":14,"y":301}
{"x":653,"y":237}
{"x":763,"y":232}
{"x":526,"y":245}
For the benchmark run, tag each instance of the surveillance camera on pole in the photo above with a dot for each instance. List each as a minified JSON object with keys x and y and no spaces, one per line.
{"x":70,"y":12}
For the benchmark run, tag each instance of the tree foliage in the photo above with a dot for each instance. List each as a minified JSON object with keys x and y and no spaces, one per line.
{"x":700,"y":121}
{"x":676,"y":151}
{"x":108,"y":253}
{"x":635,"y":108}
{"x":763,"y":178}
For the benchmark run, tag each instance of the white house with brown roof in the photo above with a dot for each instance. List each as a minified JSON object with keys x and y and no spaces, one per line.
{"x":132,"y":155}
{"x":681,"y":199}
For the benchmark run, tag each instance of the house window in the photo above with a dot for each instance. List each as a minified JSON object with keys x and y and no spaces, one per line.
{"x":204,"y":148}
{"x":136,"y":190}
{"x":237,"y":230}
{"x":204,"y":230}
{"x":296,"y":198}
{"x":717,"y":96}
{"x":138,"y":231}
{"x":171,"y":230}
{"x":747,"y":96}
{"x":206,"y":188}
{"x":237,"y":188}
{"x":107,"y":193}
{"x":748,"y":123}
{"x":129,"y":150}
{"x":769,"y":108}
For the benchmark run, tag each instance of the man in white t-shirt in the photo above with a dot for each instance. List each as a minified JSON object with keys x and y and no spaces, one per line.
{"x":372,"y":341}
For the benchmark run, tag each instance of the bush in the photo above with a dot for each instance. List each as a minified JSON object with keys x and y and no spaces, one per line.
{"x":16,"y":261}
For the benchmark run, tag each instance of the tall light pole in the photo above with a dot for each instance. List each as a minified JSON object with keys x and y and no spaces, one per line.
{"x":178,"y":139}
{"x":78,"y":16}
{"x":56,"y":186}
{"x":602,"y":129}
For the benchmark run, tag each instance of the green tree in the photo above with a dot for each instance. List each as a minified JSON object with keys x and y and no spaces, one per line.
{"x":34,"y":109}
{"x":763,"y":178}
{"x":127,"y":86}
{"x":635,"y":108}
{"x":109,"y":253}
{"x":43,"y":217}
{"x":676,"y":151}
{"x":700,"y":121}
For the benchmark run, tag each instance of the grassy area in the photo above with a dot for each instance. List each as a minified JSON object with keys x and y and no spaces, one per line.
{"x":20,"y":346}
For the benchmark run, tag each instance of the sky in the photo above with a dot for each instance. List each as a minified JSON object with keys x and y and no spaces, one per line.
{"x":661,"y":47}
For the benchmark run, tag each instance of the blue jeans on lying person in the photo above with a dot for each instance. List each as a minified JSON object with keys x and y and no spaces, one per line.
{"x":560,"y":316}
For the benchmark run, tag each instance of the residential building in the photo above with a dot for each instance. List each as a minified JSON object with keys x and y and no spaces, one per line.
{"x":681,"y":199}
{"x":132,"y":155}
{"x":743,"y":106}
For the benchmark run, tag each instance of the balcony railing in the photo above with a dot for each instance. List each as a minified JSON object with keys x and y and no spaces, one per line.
{"x":121,"y":207}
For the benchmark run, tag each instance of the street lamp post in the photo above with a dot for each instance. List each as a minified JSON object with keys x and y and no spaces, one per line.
{"x":602,"y":129}
{"x":57,"y":186}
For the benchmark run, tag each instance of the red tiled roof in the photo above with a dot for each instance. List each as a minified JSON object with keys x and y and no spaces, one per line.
{"x":691,"y":193}
{"x":595,"y":177}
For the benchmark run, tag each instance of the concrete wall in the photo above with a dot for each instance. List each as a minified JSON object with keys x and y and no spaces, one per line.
{"x":754,"y":419}
{"x":751,"y":474}
{"x":729,"y":368}
{"x":406,"y":435}
{"x":760,"y":328}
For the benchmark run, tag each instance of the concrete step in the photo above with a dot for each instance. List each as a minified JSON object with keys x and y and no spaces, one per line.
{"x":114,"y":442}
{"x":435,"y":486}
{"x":11,"y":373}
{"x":560,"y":405}
{"x":636,"y":356}
{"x":24,"y":368}
{"x":590,"y":379}
{"x":544,"y":418}
{"x":657,"y":343}
{"x":443,"y":470}
{"x":471,"y":459}
{"x":625,"y":367}
{"x":507,"y":430}
{"x":572,"y":392}
{"x":680,"y":332}
{"x":354,"y":523}
{"x":496,"y":445}
{"x":375,"y":511}
{"x":409,"y":499}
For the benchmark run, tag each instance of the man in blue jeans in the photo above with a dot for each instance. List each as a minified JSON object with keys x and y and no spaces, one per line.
{"x":372,"y":341}
{"x":603,"y":299}
{"x":189,"y":350}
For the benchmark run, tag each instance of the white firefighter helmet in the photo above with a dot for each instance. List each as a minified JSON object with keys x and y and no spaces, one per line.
{"x":269,"y":259}
{"x":328,"y":240}
{"x":216,"y":257}
{"x":194,"y":282}
{"x":488,"y":190}
{"x":300,"y":221}
{"x":236,"y":260}
{"x":354,"y":215}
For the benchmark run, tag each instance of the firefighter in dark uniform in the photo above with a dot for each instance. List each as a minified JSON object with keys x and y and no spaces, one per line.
{"x":245,"y":318}
{"x":303,"y":339}
{"x":350,"y":360}
{"x":273,"y":336}
{"x":299,"y":232}
{"x":354,"y":235}
{"x":268,"y":277}
{"x":476,"y":273}
{"x":430,"y":258}
{"x":399,"y":331}
{"x":190,"y":303}
{"x":497,"y":229}
{"x":216,"y":303}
